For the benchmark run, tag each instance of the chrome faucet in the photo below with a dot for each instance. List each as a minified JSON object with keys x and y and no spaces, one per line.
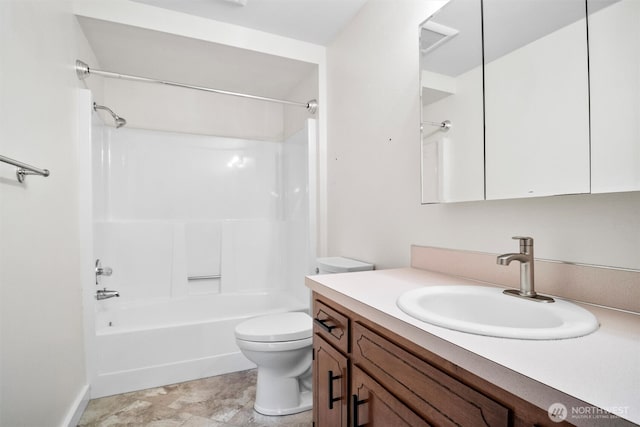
{"x":100,"y":271}
{"x":527,"y":289}
{"x":105,"y":294}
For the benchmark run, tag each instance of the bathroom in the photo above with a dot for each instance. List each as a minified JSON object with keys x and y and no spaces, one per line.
{"x":368,"y":189}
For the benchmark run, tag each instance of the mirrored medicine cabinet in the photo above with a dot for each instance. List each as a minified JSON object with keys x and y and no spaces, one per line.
{"x":530,"y":98}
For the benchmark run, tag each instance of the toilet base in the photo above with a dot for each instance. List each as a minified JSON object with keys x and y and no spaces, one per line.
{"x":306,"y":403}
{"x":276,"y":395}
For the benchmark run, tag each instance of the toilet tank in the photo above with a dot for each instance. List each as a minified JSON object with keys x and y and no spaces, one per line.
{"x":331,"y":265}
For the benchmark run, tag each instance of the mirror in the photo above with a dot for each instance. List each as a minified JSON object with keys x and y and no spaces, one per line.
{"x":536,"y":98}
{"x":614,"y":56}
{"x":451,"y":92}
{"x":559,"y":115}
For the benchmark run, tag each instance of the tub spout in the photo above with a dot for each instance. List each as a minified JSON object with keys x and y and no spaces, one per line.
{"x":105,"y":294}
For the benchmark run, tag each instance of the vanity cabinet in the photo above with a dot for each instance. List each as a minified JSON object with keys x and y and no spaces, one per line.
{"x":367,"y":375}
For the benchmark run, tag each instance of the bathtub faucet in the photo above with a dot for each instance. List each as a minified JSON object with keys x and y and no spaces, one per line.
{"x":104,"y":294}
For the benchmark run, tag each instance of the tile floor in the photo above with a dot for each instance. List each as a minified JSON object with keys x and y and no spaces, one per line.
{"x":222,"y":401}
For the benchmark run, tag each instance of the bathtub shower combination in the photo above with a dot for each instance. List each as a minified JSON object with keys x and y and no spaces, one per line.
{"x":201,"y":233}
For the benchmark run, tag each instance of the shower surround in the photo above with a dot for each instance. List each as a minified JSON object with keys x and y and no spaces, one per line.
{"x":201,"y":232}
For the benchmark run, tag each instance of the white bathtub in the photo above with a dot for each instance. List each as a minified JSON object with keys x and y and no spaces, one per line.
{"x":175,"y":340}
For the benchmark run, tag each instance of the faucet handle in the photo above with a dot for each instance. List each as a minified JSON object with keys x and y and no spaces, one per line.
{"x":526,"y":244}
{"x":102,"y":271}
{"x":528,"y":241}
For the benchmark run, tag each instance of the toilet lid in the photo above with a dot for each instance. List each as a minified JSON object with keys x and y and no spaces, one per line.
{"x":276,"y":327}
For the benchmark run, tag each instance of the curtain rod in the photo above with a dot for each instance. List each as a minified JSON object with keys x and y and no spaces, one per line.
{"x":83,"y":71}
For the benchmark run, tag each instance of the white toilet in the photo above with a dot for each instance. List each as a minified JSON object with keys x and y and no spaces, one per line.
{"x":281,"y":346}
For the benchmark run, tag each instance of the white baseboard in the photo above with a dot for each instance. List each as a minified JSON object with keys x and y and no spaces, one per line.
{"x":77,"y":407}
{"x":156,"y":376}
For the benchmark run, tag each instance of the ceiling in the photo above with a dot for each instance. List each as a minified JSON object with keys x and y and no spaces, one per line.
{"x":314,"y":21}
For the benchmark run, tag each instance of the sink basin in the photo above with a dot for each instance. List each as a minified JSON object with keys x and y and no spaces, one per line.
{"x":484,"y":310}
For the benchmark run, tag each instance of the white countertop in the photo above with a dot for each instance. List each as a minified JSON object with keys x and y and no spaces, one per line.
{"x":601,"y":369}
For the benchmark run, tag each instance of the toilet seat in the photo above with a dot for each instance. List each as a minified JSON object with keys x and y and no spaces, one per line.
{"x":275,"y":328}
{"x":274,"y":346}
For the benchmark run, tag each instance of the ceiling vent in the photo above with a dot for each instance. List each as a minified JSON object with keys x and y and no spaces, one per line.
{"x":433,"y":35}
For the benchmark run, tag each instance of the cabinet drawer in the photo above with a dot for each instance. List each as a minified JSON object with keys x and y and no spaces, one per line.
{"x":431,"y":393}
{"x":331,"y":325}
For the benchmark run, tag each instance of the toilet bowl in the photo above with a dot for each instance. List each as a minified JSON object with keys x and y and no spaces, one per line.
{"x":280,"y":345}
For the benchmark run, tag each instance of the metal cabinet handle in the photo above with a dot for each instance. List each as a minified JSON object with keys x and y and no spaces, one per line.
{"x":356,"y":403}
{"x":322,"y":323}
{"x":331,"y":398}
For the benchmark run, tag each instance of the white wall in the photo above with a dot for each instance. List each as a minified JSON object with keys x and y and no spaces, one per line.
{"x":295,"y":118}
{"x":374,"y":166}
{"x":173,"y":109}
{"x":165,"y":108}
{"x":42,"y":376}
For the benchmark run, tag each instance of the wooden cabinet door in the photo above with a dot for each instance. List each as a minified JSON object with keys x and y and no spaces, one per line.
{"x":372,"y":405}
{"x":330,"y":393}
{"x":436,"y":396}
